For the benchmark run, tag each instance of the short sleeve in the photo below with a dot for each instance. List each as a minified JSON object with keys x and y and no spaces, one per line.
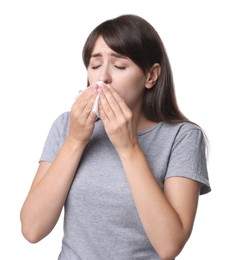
{"x":188,"y":158}
{"x":55,"y":138}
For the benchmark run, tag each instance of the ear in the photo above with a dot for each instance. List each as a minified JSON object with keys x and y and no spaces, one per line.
{"x":152,"y":75}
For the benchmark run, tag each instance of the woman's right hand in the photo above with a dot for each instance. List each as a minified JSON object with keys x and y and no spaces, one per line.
{"x":82,"y":118}
{"x":48,"y":193}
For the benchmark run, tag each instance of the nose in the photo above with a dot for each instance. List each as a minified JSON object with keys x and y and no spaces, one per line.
{"x":105,"y":74}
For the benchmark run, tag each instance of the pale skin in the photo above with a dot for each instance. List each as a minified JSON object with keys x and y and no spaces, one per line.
{"x":166,"y":215}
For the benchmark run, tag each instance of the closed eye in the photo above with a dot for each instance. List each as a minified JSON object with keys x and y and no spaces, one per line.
{"x":118,"y":67}
{"x":121,"y":68}
{"x":95,"y":67}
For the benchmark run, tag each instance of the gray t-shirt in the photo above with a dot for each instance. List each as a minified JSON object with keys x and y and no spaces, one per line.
{"x":101,"y":221}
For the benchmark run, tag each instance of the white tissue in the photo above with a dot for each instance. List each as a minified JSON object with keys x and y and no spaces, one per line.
{"x":100,"y":83}
{"x":95,"y":105}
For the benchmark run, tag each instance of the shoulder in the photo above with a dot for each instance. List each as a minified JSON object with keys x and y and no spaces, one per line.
{"x":60,"y":125}
{"x":189,"y":138}
{"x":190,"y":129}
{"x":184,"y":134}
{"x":183,"y":129}
{"x":178,"y":130}
{"x":63,"y":118}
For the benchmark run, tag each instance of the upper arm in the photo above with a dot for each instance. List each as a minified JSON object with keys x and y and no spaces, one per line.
{"x":183,"y":194}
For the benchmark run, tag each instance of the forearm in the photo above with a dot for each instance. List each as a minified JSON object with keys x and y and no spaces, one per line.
{"x":46,"y":198}
{"x":161,"y":223}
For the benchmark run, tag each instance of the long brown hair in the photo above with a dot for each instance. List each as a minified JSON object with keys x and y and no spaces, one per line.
{"x":134,"y":37}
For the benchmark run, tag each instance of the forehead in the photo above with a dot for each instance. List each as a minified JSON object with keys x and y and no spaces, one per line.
{"x":102,"y":49}
{"x":100,"y":43}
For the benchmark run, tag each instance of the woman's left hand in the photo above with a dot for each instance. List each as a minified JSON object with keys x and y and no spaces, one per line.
{"x":117,"y":119}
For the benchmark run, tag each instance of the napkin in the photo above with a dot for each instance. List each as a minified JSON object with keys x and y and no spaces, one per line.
{"x":95,"y":105}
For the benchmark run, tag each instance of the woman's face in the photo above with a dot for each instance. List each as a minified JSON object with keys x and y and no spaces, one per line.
{"x":117,"y":70}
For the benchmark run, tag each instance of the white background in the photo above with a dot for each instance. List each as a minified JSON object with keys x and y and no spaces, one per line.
{"x":41,"y":71}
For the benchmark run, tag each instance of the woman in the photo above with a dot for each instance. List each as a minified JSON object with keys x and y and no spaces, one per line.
{"x":130,"y":180}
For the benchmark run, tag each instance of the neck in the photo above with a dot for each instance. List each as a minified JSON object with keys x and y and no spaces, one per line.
{"x":142,"y":122}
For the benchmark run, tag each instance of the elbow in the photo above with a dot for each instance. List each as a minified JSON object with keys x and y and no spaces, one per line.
{"x":169,"y":255}
{"x":171,"y":246}
{"x":30,"y":235}
{"x":29,"y":231}
{"x":31,"y":238}
{"x":170,"y":251}
{"x":34,"y":229}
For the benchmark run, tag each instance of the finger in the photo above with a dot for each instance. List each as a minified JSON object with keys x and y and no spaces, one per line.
{"x":89,"y":102}
{"x":110,"y":103}
{"x":84,"y":103}
{"x":106,"y":111}
{"x":119,"y":99}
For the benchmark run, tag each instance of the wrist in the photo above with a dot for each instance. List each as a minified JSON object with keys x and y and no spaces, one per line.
{"x":75,"y":144}
{"x":130,"y":153}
